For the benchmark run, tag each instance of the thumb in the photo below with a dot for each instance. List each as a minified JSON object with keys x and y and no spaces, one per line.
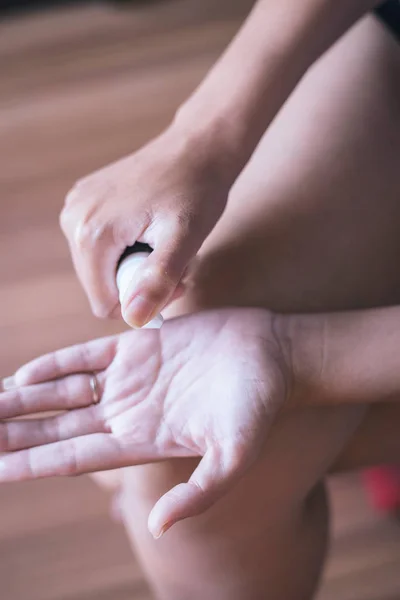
{"x":215,"y":475}
{"x":156,"y":281}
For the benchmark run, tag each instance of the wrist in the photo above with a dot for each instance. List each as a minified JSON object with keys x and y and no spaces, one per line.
{"x":344,"y":358}
{"x":231,"y":109}
{"x":302,"y":342}
{"x":205,"y":135}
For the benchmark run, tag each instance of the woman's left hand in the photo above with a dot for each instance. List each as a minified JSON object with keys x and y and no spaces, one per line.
{"x":205,"y":385}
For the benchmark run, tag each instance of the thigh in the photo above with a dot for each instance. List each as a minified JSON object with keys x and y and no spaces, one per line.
{"x":311,"y":225}
{"x":313,"y":221}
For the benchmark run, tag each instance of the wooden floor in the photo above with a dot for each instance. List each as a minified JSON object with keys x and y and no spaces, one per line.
{"x":79,"y":88}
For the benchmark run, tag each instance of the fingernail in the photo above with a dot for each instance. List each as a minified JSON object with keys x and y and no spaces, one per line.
{"x":139,"y":311}
{"x":9,"y":383}
{"x":164,"y":529}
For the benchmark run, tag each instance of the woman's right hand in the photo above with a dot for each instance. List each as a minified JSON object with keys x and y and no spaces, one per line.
{"x":168,"y":195}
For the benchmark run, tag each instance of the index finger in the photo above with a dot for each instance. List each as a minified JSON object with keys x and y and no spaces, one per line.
{"x":94,"y":256}
{"x":97,"y":236}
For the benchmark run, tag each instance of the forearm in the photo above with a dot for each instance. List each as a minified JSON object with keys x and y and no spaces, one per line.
{"x":234,"y":105}
{"x":345,"y":357}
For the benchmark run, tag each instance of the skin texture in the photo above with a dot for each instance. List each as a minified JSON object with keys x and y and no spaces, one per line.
{"x":347,"y":357}
{"x":154,"y":196}
{"x":208,"y":385}
{"x":290,"y":237}
{"x":311,"y":225}
{"x":171,"y":193}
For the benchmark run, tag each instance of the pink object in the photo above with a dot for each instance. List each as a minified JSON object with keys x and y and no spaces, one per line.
{"x":383,"y":487}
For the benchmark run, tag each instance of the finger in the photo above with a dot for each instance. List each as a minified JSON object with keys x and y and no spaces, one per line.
{"x":75,"y":456}
{"x":62,"y":394}
{"x":96,"y":242}
{"x":217,"y":472}
{"x":85,"y":235}
{"x":156,"y":280}
{"x":16,"y":435}
{"x":91,"y":356}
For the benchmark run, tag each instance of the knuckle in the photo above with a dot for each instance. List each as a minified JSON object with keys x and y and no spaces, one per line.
{"x":73,"y":196}
{"x":77,"y":202}
{"x":68,"y":464}
{"x":89,"y":231}
{"x":84,"y":235}
{"x":80,"y":188}
{"x":178,"y":225}
{"x":64,"y":389}
{"x":64,"y":219}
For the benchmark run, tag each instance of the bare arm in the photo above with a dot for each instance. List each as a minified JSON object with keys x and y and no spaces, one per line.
{"x":280,"y":40}
{"x":171,"y":193}
{"x":343,"y":358}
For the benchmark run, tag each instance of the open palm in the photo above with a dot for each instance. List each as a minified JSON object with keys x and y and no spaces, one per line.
{"x":205,"y":385}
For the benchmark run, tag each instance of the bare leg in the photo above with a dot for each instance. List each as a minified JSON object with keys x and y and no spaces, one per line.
{"x":312,"y":224}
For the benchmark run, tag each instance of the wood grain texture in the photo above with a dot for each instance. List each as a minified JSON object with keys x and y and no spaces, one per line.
{"x":79,"y":88}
